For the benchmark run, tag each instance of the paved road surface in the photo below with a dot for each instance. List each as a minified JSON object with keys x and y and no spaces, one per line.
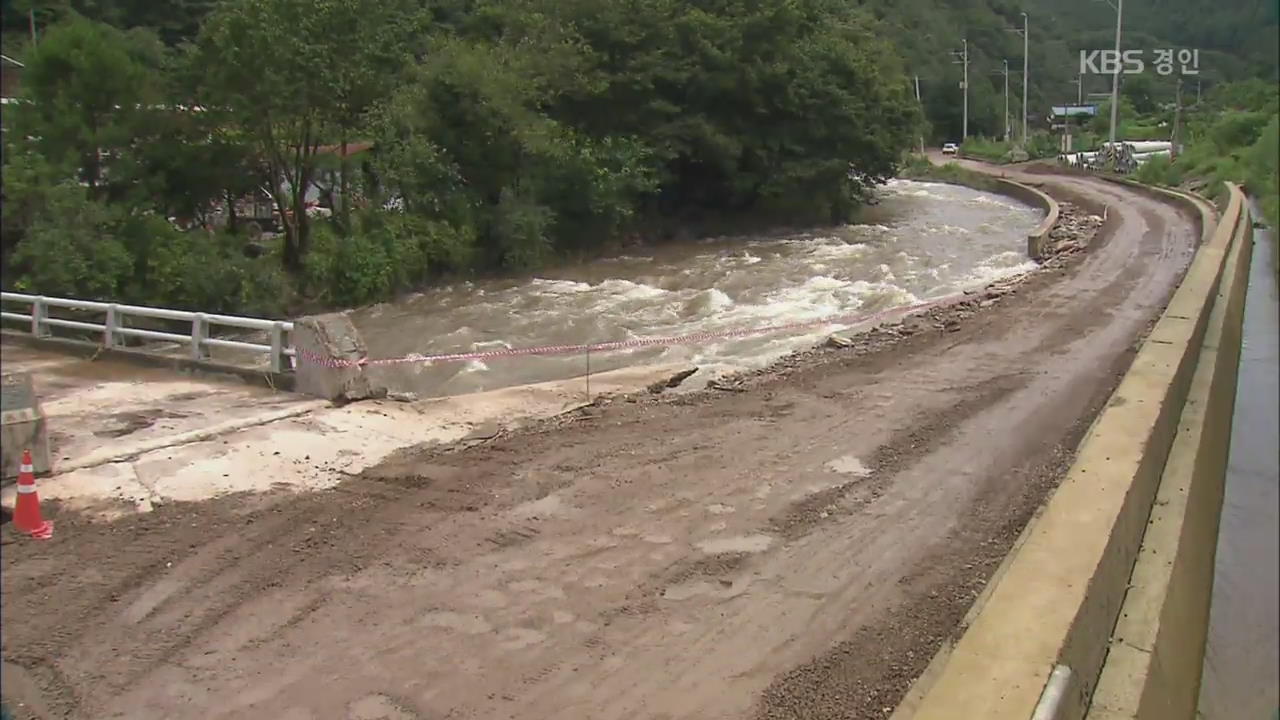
{"x":797,"y":549}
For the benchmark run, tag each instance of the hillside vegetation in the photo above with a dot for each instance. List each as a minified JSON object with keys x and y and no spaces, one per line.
{"x":503,"y":135}
{"x":1234,"y":136}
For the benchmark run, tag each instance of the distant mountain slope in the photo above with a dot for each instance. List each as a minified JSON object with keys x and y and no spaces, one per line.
{"x":1237,"y":39}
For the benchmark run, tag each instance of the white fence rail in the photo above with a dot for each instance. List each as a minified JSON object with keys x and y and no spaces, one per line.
{"x":114,"y":327}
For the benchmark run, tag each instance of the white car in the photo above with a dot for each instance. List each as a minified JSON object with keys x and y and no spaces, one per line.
{"x":950,"y":149}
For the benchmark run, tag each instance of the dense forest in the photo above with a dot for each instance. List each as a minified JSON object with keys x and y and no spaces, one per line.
{"x":458,"y":136}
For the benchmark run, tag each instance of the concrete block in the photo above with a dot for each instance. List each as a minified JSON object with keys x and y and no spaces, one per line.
{"x":328,"y":346}
{"x":22,"y":425}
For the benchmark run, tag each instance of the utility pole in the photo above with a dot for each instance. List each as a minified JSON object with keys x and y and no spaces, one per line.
{"x":1026,"y":69}
{"x":921,"y":104}
{"x":1115,"y":79}
{"x":31,"y":19}
{"x":1177,"y":119}
{"x":1004,"y":70}
{"x":1079,"y":101}
{"x":1026,"y":77}
{"x":1006,"y":101}
{"x":964,"y":60}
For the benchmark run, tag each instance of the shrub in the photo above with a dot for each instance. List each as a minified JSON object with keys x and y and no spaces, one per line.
{"x":520,"y":230}
{"x":1160,"y":170}
{"x":209,"y":272}
{"x":1237,"y":130}
{"x":386,"y":253}
{"x":72,"y":249}
{"x":985,"y":149}
{"x":1043,"y":145}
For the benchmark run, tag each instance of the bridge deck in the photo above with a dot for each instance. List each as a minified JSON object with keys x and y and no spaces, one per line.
{"x":127,"y":437}
{"x":105,"y":408}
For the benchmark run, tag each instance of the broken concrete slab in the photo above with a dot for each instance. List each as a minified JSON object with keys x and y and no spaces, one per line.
{"x":330,"y":356}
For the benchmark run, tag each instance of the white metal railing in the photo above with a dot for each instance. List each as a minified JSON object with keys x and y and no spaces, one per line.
{"x":114,"y":329}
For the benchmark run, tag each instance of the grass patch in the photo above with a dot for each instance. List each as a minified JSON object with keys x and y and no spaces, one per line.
{"x":918,"y":167}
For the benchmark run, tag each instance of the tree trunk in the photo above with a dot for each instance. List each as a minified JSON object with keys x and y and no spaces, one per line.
{"x":292,"y":258}
{"x":232,"y":220}
{"x":345,"y":186}
{"x":291,"y":255}
{"x":302,"y":227}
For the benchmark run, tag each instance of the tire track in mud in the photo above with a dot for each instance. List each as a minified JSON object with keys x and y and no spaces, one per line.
{"x":905,"y":448}
{"x":867,"y":675}
{"x":258,"y":578}
{"x":124,"y":576}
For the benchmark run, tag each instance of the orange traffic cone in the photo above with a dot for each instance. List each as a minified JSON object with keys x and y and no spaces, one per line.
{"x":26,"y":511}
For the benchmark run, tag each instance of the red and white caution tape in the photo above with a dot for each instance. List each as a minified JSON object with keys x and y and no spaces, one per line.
{"x":689,"y":339}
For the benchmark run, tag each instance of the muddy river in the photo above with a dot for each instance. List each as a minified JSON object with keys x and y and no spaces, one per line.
{"x":921,"y":241}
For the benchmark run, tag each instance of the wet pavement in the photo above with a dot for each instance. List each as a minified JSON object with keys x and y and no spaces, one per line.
{"x":1242,"y":660}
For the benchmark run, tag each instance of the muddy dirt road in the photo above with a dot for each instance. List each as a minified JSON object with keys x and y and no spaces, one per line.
{"x":795,"y":548}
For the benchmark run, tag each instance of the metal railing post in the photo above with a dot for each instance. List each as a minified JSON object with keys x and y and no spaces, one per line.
{"x":109,"y":326}
{"x":39,"y":311}
{"x":199,"y":333}
{"x":277,"y":347}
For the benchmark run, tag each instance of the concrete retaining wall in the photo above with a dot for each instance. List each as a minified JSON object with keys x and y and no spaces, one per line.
{"x":1153,"y":666}
{"x":1058,"y":599}
{"x":1031,"y":196}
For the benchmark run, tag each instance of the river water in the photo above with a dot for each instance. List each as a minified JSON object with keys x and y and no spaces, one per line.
{"x":1242,"y":659}
{"x":921,"y":241}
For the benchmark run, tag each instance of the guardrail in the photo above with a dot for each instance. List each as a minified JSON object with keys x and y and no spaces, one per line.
{"x":114,"y":328}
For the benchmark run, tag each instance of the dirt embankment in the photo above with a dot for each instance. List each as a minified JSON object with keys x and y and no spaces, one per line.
{"x":792,"y":543}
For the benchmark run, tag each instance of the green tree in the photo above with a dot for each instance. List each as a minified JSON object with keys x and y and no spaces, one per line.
{"x":792,"y":108}
{"x":72,"y":249}
{"x":466,"y":141}
{"x":90,"y":91}
{"x":293,"y":75}
{"x":173,"y":21}
{"x":1140,"y":91}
